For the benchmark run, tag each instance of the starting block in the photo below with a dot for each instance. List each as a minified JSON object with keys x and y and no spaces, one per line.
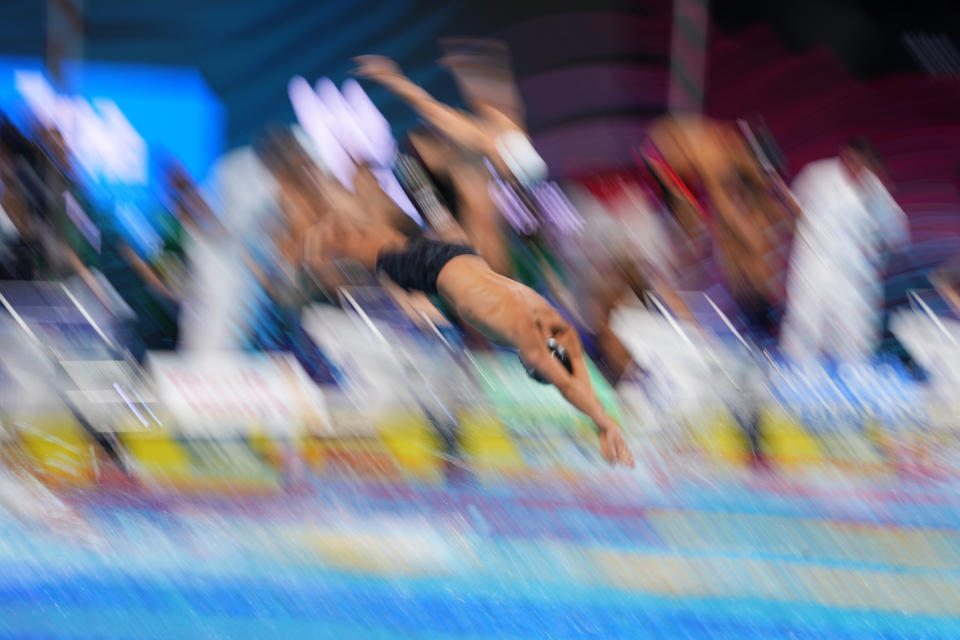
{"x":58,"y":448}
{"x":485,"y":441}
{"x":722,"y":439}
{"x":413,"y":443}
{"x":784,"y":440}
{"x":158,"y":454}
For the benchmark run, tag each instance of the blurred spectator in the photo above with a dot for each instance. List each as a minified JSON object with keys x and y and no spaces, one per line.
{"x":150,"y":283}
{"x":279,"y":265}
{"x":744,"y":214}
{"x":214,"y":311}
{"x":63,"y":232}
{"x":26,"y":236}
{"x":850,"y":223}
{"x":16,"y":253}
{"x":84,"y":241}
{"x":624,"y":253}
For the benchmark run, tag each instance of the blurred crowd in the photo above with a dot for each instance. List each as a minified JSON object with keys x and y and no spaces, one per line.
{"x":55,"y":230}
{"x":802,"y":263}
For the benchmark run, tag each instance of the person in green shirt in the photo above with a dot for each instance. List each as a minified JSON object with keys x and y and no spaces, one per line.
{"x":93,"y":243}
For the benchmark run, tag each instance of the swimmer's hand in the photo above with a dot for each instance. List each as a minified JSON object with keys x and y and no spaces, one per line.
{"x":612,"y":444}
{"x":376,"y":67}
{"x":575,"y":386}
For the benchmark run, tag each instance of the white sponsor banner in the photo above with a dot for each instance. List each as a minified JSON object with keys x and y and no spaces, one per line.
{"x":232,"y":393}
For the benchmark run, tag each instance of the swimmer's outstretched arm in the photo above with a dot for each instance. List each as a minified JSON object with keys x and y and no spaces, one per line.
{"x":511,"y":314}
{"x":502,"y":310}
{"x":457,"y":126}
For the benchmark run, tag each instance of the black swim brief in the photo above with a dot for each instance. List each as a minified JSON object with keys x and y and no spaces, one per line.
{"x":417,"y":266}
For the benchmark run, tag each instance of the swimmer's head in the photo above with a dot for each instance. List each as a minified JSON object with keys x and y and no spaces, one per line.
{"x":557,"y":351}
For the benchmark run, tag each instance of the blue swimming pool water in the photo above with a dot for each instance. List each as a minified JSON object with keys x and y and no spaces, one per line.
{"x":608,"y":557}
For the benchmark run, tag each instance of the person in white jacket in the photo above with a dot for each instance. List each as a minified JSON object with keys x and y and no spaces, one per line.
{"x":218,"y":302}
{"x":850,"y":224}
